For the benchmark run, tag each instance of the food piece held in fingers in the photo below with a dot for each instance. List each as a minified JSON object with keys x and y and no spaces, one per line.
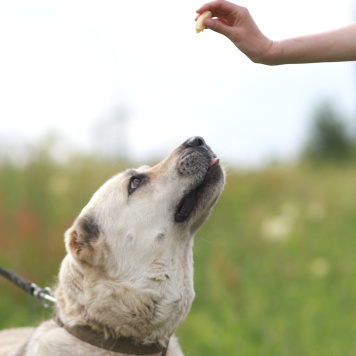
{"x":199,"y":25}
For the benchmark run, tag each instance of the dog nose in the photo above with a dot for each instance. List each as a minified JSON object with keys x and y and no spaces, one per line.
{"x":195,"y":141}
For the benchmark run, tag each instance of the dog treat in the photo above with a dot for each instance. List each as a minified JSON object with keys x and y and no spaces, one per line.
{"x":199,"y":25}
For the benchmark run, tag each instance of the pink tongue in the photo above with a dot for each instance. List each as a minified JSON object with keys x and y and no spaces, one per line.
{"x":214,"y":161}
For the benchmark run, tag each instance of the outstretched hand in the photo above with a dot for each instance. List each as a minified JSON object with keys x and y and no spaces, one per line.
{"x":236,"y":23}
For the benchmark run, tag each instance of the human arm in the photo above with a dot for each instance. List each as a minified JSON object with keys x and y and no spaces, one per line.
{"x":236,"y":23}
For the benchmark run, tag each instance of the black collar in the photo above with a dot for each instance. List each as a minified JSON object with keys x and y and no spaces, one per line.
{"x":121,"y":345}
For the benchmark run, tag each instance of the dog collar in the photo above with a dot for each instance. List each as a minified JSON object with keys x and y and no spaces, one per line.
{"x":122,"y":345}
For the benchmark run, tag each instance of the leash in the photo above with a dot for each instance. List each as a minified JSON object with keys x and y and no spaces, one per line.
{"x":45,"y":295}
{"x":84,"y":333}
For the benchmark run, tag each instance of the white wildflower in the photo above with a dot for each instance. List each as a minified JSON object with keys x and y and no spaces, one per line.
{"x":279,"y":227}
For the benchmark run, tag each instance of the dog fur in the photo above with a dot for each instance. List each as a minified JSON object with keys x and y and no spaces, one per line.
{"x":128,"y":271}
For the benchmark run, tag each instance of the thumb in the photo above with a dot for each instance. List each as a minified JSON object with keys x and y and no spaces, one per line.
{"x":217,"y":26}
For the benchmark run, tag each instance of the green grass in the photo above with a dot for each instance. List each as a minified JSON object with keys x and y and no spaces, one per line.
{"x":274,"y":265}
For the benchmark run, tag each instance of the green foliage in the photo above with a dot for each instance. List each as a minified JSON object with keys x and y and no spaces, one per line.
{"x":274,"y":265}
{"x":329,"y":137}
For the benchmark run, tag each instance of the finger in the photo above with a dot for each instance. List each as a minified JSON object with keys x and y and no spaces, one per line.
{"x":218,"y":7}
{"x":217,"y":25}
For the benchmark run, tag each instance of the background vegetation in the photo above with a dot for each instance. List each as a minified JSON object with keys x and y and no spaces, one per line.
{"x":274,"y":266}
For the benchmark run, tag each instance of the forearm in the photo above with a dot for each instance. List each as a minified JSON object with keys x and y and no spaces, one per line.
{"x":333,"y":46}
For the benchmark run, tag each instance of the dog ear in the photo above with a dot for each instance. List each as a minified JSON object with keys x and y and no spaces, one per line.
{"x":81,"y":238}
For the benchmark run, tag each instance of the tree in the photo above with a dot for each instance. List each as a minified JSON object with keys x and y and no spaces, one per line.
{"x":328,"y":139}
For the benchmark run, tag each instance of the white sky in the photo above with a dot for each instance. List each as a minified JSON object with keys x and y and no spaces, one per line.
{"x":67,"y":65}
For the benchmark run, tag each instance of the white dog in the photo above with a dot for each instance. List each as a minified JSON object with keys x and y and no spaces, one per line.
{"x":126,"y":283}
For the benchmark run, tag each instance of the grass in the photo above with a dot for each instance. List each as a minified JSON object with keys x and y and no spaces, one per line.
{"x":274,"y":265}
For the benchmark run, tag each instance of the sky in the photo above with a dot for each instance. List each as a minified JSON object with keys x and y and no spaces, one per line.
{"x":76,"y":66}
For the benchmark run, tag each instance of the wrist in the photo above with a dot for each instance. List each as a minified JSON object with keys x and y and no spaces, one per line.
{"x":264,"y":52}
{"x":269,"y":55}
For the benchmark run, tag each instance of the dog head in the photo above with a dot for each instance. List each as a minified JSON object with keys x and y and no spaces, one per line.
{"x":142,"y":208}
{"x":136,"y":232}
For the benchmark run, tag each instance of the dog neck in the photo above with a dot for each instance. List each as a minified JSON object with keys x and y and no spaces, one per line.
{"x":128,"y":313}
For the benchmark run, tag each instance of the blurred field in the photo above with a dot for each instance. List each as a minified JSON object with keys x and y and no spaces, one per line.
{"x":274,"y":266}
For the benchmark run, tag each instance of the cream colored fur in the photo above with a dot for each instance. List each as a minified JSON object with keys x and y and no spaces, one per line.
{"x":129,"y":267}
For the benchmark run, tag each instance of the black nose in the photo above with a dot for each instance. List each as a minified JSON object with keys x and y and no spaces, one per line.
{"x":195,"y":141}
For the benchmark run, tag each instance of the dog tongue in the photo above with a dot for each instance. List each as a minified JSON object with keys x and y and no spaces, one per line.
{"x":214,"y":162}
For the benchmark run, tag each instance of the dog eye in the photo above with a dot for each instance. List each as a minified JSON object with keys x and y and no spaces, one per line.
{"x":134,"y":183}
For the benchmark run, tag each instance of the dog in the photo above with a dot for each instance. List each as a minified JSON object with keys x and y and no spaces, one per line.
{"x":126,"y":282}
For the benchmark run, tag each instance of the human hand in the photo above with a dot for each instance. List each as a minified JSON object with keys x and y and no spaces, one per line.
{"x":236,"y":23}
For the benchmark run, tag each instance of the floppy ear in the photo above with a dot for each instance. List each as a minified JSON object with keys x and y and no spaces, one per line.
{"x":80,"y":239}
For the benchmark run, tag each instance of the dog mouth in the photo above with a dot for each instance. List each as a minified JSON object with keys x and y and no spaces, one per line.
{"x":193,"y":197}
